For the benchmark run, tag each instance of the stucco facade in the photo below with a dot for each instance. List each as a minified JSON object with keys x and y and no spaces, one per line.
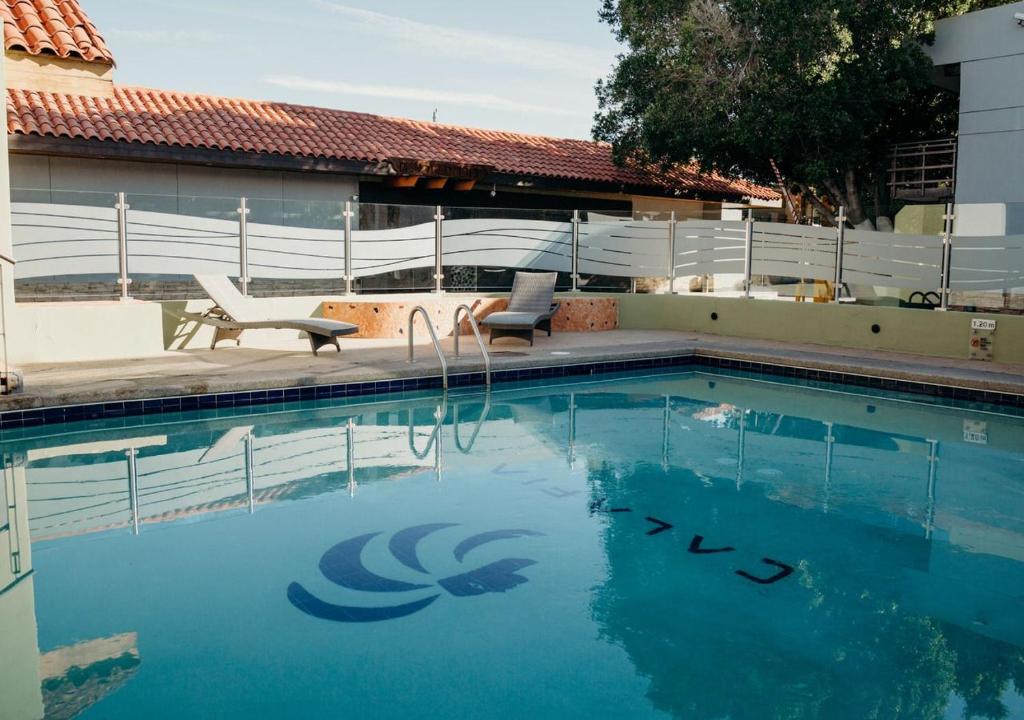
{"x":987,"y":47}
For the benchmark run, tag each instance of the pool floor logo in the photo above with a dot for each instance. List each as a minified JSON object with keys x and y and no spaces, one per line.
{"x":343,"y":565}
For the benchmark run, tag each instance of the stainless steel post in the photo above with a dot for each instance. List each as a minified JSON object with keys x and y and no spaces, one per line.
{"x":350,"y":455}
{"x":830,"y":441}
{"x":442,"y":411}
{"x":748,"y":252}
{"x":122,"y":245}
{"x":438,"y":250}
{"x":837,"y":285}
{"x":933,"y":463}
{"x":243,"y":248}
{"x":672,"y":254}
{"x":947,"y":254}
{"x":572,"y":431}
{"x":348,"y":247}
{"x":665,"y":419}
{"x":575,"y":260}
{"x":741,"y":448}
{"x":133,"y":488}
{"x":250,"y":484}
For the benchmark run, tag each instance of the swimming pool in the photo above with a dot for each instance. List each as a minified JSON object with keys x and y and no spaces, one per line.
{"x":694,"y":544}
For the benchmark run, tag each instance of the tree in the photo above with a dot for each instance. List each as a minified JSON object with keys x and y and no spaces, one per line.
{"x":823,"y":88}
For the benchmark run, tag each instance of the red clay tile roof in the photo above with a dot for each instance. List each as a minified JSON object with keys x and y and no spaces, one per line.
{"x":142,"y":115}
{"x":52,"y":27}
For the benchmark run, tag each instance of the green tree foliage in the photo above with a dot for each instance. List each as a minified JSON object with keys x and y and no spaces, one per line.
{"x":822,"y":88}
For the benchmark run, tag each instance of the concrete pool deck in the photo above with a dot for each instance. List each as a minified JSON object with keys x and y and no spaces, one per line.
{"x":231,"y":369}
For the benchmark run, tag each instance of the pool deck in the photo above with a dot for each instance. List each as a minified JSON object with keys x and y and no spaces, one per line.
{"x":231,"y":369}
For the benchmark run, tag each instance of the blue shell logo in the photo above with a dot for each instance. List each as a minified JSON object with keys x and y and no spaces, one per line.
{"x":343,"y":565}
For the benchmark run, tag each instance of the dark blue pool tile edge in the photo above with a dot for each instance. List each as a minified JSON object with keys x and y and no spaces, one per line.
{"x":70,"y":413}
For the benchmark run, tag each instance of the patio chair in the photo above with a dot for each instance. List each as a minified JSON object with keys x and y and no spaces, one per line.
{"x":232,"y":313}
{"x":529,"y":308}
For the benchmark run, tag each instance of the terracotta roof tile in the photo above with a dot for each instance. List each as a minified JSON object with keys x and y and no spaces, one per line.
{"x":52,"y":27}
{"x":142,"y":115}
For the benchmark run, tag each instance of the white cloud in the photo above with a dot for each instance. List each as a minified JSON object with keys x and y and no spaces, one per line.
{"x":437,"y":97}
{"x":563,"y":58}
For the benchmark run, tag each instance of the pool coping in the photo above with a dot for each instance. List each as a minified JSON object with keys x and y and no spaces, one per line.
{"x":848,"y":373}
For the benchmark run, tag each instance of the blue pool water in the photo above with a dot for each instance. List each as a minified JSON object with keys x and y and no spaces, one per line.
{"x":693,"y":545}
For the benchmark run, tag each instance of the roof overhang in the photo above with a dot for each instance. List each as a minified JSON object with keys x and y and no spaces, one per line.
{"x":148,"y":152}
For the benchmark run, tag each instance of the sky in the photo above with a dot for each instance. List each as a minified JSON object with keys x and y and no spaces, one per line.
{"x":520,"y":65}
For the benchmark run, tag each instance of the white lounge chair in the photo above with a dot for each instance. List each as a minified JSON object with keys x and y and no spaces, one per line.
{"x":232,"y":313}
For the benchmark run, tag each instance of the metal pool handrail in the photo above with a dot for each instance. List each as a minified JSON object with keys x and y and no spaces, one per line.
{"x":476,"y":430}
{"x":479,"y":339}
{"x":440,"y":413}
{"x":433,"y":337}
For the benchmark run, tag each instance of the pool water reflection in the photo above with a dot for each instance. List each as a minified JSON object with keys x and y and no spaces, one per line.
{"x":689,"y":545}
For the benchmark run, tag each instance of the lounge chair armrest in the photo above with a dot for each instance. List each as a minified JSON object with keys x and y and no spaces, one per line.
{"x":553,"y":309}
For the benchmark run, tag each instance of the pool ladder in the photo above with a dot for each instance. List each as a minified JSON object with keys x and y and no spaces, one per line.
{"x":437,"y":343}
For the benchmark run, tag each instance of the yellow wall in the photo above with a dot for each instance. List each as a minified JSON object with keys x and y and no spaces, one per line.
{"x":928,"y":332}
{"x":77,"y":331}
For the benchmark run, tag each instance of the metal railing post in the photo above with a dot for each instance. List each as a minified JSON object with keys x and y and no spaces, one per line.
{"x":438,"y":250}
{"x":572,"y":431}
{"x":243,"y":248}
{"x":947,"y":254}
{"x":748,"y":252}
{"x":350,"y":455}
{"x":837,"y":286}
{"x":133,"y":487}
{"x":122,"y":246}
{"x":250,"y":470}
{"x":575,"y":260}
{"x":672,"y":254}
{"x":348,"y":247}
{"x":665,"y":424}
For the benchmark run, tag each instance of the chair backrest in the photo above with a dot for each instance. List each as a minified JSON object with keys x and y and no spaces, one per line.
{"x":532,"y":292}
{"x":225,"y":295}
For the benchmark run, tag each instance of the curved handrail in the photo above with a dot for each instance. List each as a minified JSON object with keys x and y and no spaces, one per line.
{"x":479,"y":338}
{"x":433,"y":336}
{"x":476,"y":430}
{"x":439,"y":415}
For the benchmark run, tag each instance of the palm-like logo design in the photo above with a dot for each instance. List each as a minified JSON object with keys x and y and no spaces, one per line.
{"x":343,"y":565}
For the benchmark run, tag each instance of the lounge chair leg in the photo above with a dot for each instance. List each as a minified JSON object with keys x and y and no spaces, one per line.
{"x":318,"y":341}
{"x":220,"y":333}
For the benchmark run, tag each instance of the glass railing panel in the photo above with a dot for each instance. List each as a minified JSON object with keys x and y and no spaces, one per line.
{"x":484,"y":247}
{"x":709,"y":255}
{"x":987,"y":273}
{"x":987,"y":258}
{"x":612,"y":250}
{"x":393,"y":248}
{"x":173,"y":237}
{"x":65,"y":245}
{"x":795,"y":261}
{"x":893,"y":268}
{"x":295,"y":247}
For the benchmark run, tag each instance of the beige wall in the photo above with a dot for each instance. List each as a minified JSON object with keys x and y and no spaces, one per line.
{"x":928,"y":332}
{"x":69,"y":332}
{"x":6,"y":248}
{"x":59,"y":75}
{"x":57,"y":174}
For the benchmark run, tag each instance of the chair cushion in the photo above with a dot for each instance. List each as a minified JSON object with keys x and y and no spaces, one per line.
{"x":522,"y":320}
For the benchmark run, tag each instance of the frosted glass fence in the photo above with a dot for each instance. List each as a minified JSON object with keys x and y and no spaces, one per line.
{"x":71,"y":245}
